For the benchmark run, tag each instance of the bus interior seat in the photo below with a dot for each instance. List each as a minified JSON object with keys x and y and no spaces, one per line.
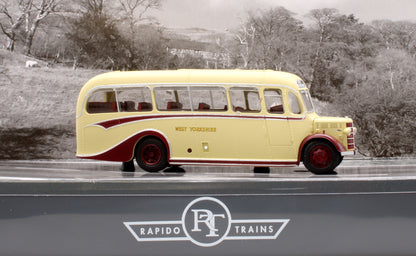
{"x":172,"y":105}
{"x":203,"y":106}
{"x":127,"y":106}
{"x":101,"y":107}
{"x":144,"y":106}
{"x":239,"y":109}
{"x":277,"y":109}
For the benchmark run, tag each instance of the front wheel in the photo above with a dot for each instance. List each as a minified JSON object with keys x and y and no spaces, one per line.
{"x":151,"y":155}
{"x":320,"y":157}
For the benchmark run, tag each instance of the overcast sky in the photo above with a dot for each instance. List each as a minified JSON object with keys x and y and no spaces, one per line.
{"x":222,"y":14}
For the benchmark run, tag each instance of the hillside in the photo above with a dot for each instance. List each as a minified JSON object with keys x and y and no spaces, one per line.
{"x":195,"y":34}
{"x":38,"y":108}
{"x":196,"y":39}
{"x":40,"y":97}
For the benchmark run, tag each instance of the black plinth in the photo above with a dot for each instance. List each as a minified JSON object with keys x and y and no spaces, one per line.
{"x":207,"y":213}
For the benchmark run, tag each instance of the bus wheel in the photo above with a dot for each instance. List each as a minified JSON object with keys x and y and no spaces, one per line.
{"x":151,"y":155}
{"x":320,"y":157}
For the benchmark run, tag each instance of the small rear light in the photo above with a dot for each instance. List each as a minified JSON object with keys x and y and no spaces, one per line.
{"x":350,"y":136}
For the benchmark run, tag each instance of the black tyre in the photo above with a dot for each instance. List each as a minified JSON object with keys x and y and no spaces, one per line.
{"x":261,"y":170}
{"x":321,"y":157}
{"x":151,"y":155}
{"x":128,"y":166}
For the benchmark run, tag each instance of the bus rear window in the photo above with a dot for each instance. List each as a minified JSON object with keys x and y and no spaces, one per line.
{"x":102,"y":101}
{"x":128,"y":99}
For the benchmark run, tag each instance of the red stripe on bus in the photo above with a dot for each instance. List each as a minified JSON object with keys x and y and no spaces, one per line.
{"x":119,"y":121}
{"x":124,"y":151}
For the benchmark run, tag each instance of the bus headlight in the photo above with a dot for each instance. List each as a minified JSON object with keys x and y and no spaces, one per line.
{"x":348,"y":131}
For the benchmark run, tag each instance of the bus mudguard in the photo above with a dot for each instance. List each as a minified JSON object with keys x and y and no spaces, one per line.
{"x":124,"y":151}
{"x":338,"y":146}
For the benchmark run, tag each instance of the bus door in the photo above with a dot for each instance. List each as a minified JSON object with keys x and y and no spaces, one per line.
{"x":280,"y":137}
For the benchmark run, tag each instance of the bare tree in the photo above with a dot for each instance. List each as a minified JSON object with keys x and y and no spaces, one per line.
{"x":133,"y":13}
{"x":27,"y":12}
{"x":40,"y":9}
{"x":12,"y":20}
{"x":264,"y":38}
{"x":136,"y":9}
{"x":399,"y":35}
{"x":245,"y":38}
{"x":323,"y":19}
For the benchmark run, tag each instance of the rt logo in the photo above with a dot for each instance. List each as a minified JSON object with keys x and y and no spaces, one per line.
{"x":206,"y":222}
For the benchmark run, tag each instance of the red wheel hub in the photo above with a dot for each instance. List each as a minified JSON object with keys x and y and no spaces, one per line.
{"x":320,"y":156}
{"x":151,"y":154}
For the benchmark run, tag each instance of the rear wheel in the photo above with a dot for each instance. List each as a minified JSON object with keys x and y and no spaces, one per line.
{"x":320,"y":157}
{"x":151,"y":155}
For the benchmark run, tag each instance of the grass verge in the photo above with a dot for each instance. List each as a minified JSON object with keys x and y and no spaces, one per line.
{"x":37,"y":143}
{"x":37,"y":108}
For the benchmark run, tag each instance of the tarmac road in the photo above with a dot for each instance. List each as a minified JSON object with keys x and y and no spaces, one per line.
{"x":77,"y":170}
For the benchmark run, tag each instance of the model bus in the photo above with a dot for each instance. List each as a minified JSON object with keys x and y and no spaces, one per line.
{"x":208,"y":117}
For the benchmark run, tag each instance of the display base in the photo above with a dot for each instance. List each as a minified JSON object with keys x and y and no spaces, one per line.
{"x":196,"y":212}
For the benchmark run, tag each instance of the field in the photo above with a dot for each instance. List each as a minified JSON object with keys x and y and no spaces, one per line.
{"x":37,"y":116}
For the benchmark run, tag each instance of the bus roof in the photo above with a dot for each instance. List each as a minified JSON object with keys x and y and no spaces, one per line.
{"x":195,"y":76}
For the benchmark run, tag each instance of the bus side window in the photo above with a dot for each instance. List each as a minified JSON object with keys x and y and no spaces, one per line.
{"x":134,"y":99}
{"x":294,"y":104}
{"x":172,"y":98}
{"x":245,"y":99}
{"x":274,"y":101}
{"x":206,"y":98}
{"x":102,"y":101}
